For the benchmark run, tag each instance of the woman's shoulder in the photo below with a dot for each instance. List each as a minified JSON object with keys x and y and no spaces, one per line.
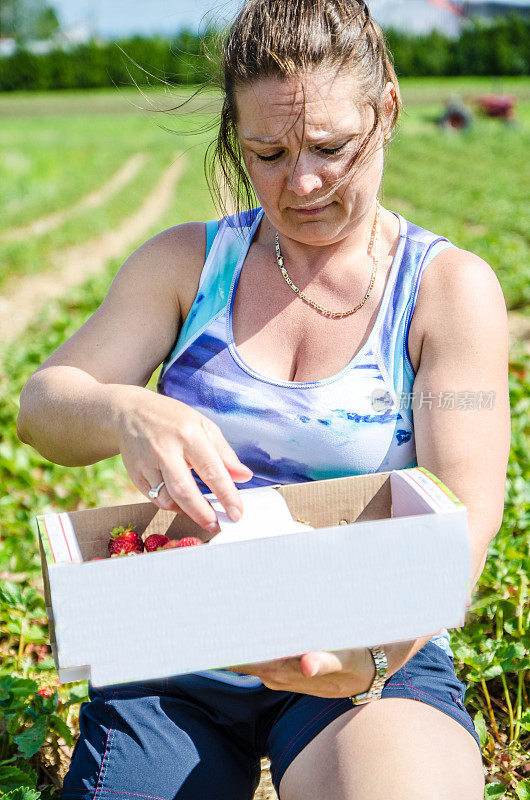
{"x":458,"y":271}
{"x":174,"y":258}
{"x":184,"y":241}
{"x":459,"y":290}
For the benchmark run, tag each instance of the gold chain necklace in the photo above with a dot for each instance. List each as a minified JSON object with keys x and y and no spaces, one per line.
{"x":373,"y":250}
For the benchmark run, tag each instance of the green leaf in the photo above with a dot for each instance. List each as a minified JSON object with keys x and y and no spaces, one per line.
{"x":492,"y":672}
{"x":494,"y":790}
{"x":30,"y":740}
{"x":60,"y":727}
{"x":525,"y":721}
{"x":480,"y":725}
{"x":46,"y":664}
{"x":11,"y":594}
{"x":21,"y":793}
{"x":23,"y":687}
{"x":522,"y":789}
{"x":78,"y":693}
{"x":463,"y":652}
{"x":12,"y":777}
{"x":483,"y":660}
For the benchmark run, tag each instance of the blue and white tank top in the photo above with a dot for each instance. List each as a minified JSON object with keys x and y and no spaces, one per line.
{"x":352,"y":423}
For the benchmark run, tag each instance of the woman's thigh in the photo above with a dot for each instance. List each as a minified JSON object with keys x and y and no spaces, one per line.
{"x":330,"y":736}
{"x":395,"y":748}
{"x":137,"y":742}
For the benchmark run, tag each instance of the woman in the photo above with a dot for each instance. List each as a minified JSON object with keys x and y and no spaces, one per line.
{"x":291,"y":319}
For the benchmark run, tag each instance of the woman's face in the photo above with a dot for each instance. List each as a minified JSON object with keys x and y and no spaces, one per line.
{"x":298,"y":138}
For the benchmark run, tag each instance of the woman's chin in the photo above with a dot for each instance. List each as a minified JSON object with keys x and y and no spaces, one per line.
{"x":317,"y":231}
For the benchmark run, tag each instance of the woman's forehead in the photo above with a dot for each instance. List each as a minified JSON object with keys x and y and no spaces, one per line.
{"x":314,"y":105}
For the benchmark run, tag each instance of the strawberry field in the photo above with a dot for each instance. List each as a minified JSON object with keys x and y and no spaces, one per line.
{"x":77,"y":167}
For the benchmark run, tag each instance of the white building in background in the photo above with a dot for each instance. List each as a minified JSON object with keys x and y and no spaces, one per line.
{"x":7,"y":46}
{"x":419,"y":17}
{"x":63,"y":39}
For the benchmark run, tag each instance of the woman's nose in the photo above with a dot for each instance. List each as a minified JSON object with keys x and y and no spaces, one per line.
{"x":303,"y":178}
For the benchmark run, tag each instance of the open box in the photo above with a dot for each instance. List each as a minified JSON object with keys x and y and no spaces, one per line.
{"x":388,"y":560}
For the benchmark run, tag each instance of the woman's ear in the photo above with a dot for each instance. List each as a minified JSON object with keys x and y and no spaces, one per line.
{"x":389,"y":103}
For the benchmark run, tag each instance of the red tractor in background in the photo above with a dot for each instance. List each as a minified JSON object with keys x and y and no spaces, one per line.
{"x":498,"y":105}
{"x":458,"y":116}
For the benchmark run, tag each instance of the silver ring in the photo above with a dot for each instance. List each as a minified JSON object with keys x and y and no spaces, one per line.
{"x":154,"y":492}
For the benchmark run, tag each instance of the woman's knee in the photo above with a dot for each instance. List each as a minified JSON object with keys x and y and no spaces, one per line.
{"x":397,"y":748}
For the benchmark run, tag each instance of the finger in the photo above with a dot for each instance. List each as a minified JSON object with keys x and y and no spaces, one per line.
{"x":163,"y":499}
{"x":319,"y":662}
{"x":150,"y":481}
{"x":182,"y":490}
{"x":208,"y":465}
{"x":239,"y":471}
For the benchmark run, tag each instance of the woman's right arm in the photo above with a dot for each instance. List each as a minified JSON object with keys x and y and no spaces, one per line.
{"x":88,"y":400}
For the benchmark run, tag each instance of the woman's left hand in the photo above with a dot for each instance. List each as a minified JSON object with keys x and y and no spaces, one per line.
{"x":336,"y":673}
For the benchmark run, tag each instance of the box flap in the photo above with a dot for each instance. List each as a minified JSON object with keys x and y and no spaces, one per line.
{"x":417,"y":491}
{"x":339,"y":501}
{"x":58,"y":538}
{"x":265,"y":513}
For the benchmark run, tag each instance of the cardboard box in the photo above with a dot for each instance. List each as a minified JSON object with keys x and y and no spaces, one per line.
{"x":388,"y":560}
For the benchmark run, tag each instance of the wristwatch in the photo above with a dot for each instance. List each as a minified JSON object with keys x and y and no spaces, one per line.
{"x":381,"y":674}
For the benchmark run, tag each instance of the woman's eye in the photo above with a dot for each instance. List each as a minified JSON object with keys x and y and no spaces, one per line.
{"x":327,"y":151}
{"x":268,"y":158}
{"x":331,"y":151}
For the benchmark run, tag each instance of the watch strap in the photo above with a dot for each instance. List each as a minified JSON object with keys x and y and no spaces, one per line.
{"x":381,"y":674}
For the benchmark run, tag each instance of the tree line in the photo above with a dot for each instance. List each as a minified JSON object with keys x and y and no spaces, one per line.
{"x":493,"y":48}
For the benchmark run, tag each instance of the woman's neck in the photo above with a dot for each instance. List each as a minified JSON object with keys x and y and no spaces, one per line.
{"x":328,"y":261}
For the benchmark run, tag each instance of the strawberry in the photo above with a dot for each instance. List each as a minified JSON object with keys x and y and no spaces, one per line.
{"x":124,"y":540}
{"x":155,"y":541}
{"x":188,"y":541}
{"x":169,"y":545}
{"x":46,"y":691}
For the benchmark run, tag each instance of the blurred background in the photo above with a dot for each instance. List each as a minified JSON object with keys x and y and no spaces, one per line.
{"x":93,"y":162}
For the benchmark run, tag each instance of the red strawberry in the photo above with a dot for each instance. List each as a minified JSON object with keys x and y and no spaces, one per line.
{"x":45,"y":691}
{"x":124,"y":540}
{"x":188,"y":541}
{"x":155,"y":541}
{"x":169,"y":545}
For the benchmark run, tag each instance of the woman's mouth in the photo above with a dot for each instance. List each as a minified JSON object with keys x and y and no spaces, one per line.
{"x":311,"y":210}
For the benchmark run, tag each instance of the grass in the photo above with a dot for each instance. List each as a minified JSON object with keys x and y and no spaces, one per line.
{"x":462,"y":186}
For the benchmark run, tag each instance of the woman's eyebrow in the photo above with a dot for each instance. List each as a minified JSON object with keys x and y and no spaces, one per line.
{"x":312,"y":139}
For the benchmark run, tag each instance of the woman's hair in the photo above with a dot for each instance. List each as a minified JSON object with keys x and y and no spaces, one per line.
{"x":283,"y":38}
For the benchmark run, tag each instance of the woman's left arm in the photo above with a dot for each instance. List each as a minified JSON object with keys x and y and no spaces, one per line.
{"x":461,"y":402}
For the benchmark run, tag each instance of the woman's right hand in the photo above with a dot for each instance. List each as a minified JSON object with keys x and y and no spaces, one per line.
{"x":161,"y":439}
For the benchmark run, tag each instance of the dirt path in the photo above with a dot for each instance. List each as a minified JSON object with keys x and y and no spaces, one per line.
{"x":23,"y":297}
{"x":121,"y":178}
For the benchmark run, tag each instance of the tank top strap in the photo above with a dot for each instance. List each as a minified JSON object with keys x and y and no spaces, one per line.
{"x":227,"y":243}
{"x":418,"y":248}
{"x":212,"y":227}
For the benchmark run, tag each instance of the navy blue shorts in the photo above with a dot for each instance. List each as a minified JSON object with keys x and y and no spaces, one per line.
{"x":190,"y":737}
